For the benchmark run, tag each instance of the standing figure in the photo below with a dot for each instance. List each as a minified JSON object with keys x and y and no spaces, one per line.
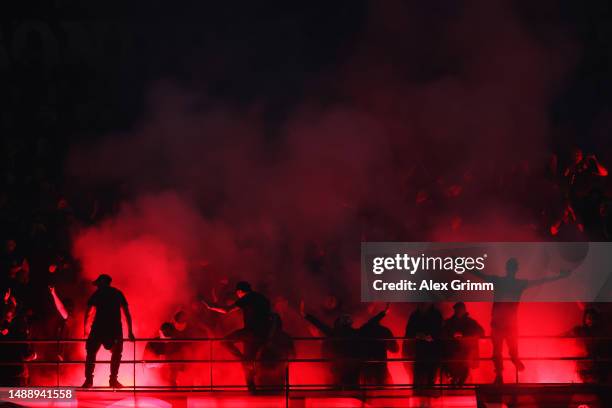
{"x":460,"y":333}
{"x":593,"y":336}
{"x":377,"y":340}
{"x":424,"y":327}
{"x":580,"y":178}
{"x":14,"y":327}
{"x":106,"y":330}
{"x":504,"y":321}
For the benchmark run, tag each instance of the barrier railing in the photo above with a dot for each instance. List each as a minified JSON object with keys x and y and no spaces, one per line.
{"x":212,"y":359}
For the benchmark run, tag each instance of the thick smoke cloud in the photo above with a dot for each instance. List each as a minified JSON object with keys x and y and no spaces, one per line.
{"x":435,"y":127}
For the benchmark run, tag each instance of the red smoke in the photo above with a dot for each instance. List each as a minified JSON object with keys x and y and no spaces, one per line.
{"x":437,"y":131}
{"x":145,"y":256}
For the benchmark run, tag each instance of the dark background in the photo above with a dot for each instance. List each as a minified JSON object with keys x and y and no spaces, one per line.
{"x":71,"y":71}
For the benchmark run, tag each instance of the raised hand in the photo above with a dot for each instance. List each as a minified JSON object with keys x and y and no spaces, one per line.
{"x":203,"y":301}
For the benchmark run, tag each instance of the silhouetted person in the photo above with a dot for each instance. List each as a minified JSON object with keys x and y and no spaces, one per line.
{"x":182,"y":329}
{"x":274,"y":354}
{"x":106,"y":330}
{"x":504,"y":324}
{"x":377,"y":340}
{"x":13,"y":326}
{"x":460,"y":333}
{"x":593,"y":335}
{"x":15,"y":271}
{"x":343,"y":346}
{"x":164,"y":350}
{"x":581,"y":172}
{"x":256,"y":316}
{"x":49,"y":322}
{"x":424,"y":327}
{"x":580,"y":177}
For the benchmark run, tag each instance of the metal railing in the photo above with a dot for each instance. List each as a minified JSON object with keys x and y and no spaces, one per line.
{"x":286,"y":386}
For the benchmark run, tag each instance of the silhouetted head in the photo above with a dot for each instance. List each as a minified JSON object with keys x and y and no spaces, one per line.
{"x":330,"y":303}
{"x":103,"y":280}
{"x":578,"y":155}
{"x":590,"y":318}
{"x":9,"y":312}
{"x":512,"y":266}
{"x":280,"y":304}
{"x":62,"y":204}
{"x":344,"y":321}
{"x":9,"y":315}
{"x":460,"y":309}
{"x":166,"y":330}
{"x":242,"y":289}
{"x":180,"y":320}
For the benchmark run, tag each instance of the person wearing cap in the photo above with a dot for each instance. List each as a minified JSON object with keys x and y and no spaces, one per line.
{"x":256,"y":316}
{"x":460,"y":334}
{"x":106,"y":329}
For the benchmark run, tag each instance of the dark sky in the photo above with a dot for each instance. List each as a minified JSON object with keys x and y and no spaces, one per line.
{"x":241,"y":52}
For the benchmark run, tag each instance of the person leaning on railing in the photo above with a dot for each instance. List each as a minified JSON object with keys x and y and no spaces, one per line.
{"x":593,"y":336}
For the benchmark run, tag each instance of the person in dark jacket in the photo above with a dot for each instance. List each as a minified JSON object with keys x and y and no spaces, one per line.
{"x":377,"y":340}
{"x":14,"y":327}
{"x":274,"y":355}
{"x":423,"y":331}
{"x":256,"y":310}
{"x":344,"y":346}
{"x":460,"y":335}
{"x":164,"y":350}
{"x":593,"y":336}
{"x":504,"y":315}
{"x":107,"y":303}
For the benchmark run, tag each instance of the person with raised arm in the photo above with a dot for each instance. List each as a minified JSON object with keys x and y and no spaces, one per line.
{"x":504,"y":323}
{"x":344,"y":345}
{"x":256,"y":311}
